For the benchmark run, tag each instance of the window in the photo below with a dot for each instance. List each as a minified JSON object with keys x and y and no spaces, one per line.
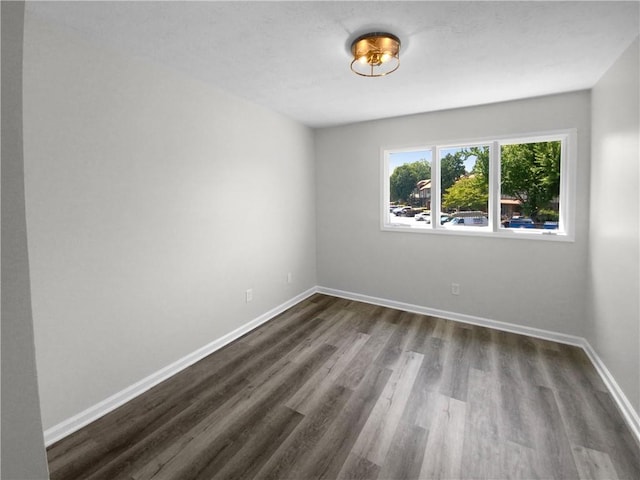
{"x":511,"y":187}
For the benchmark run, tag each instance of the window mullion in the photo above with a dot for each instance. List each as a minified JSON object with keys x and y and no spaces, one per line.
{"x":494,"y":187}
{"x":436,"y":199}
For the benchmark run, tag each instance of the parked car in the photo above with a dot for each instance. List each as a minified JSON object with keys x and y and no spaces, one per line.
{"x":407,"y":211}
{"x":399,"y":209}
{"x":520,"y":222}
{"x":423,"y":216}
{"x":426,"y":217}
{"x":468,"y":222}
{"x":550,"y":225}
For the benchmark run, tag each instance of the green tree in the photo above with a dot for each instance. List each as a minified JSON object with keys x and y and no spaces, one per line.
{"x":468,"y":193}
{"x":530,"y":172}
{"x":451,"y":169}
{"x":405,"y":177}
{"x":472,"y":192}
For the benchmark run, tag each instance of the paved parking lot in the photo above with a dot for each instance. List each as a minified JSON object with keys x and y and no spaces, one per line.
{"x":409,"y":221}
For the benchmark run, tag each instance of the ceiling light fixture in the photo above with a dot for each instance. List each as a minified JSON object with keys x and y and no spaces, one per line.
{"x":375,"y":54}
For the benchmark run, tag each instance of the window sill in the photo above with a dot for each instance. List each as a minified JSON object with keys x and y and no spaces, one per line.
{"x":510,"y":233}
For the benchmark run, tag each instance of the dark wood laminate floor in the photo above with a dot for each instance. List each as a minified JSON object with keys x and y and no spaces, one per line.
{"x":337,"y":389}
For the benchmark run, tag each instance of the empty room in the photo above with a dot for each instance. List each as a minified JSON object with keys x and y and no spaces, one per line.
{"x":320,"y":240}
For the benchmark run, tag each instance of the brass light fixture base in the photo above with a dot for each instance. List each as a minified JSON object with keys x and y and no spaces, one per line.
{"x":375,"y":54}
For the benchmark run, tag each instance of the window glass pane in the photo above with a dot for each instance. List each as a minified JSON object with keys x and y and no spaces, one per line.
{"x":530,"y":185}
{"x":464,"y":176}
{"x":410,"y":188}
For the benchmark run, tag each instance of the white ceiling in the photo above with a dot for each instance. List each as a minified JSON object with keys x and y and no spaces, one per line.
{"x":293,"y":57}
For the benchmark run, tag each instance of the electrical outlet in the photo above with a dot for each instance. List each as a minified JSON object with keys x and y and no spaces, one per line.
{"x":289,"y":277}
{"x":248,"y":295}
{"x":455,"y":289}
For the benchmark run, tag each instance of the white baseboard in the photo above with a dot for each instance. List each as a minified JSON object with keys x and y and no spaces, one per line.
{"x":67,"y":427}
{"x":78,"y":421}
{"x":624,"y":405}
{"x":458,"y":317}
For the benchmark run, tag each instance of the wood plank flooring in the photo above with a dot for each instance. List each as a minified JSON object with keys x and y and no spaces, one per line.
{"x":336,"y":389}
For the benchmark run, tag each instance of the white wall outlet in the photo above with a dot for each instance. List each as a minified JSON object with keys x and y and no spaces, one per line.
{"x":289,"y":277}
{"x":248,"y":295}
{"x":455,"y":289}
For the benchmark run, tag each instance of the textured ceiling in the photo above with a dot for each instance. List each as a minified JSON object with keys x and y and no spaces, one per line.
{"x":292,"y":57}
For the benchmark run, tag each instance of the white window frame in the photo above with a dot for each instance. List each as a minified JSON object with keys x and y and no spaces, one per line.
{"x":567,"y":197}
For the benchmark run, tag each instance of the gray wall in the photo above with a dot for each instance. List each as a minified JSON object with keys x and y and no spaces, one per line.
{"x":23,"y":454}
{"x":533,"y":283}
{"x":153,"y":202}
{"x":614,"y":257}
